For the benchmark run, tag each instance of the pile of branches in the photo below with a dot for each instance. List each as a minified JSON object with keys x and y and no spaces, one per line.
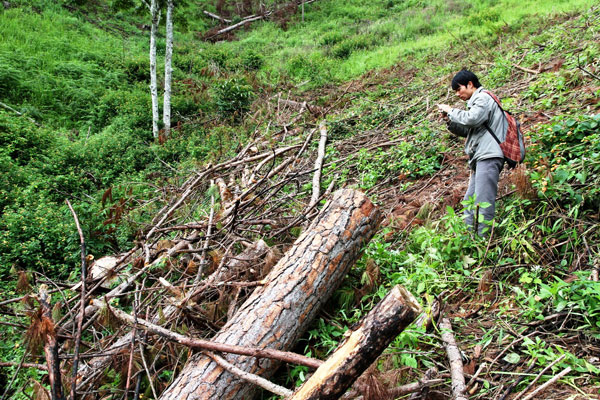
{"x":277,"y":12}
{"x":202,"y":254}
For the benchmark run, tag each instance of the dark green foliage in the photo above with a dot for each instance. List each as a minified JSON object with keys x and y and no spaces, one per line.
{"x":252,"y":61}
{"x":137,"y":69}
{"x":233,"y":97}
{"x":567,"y":156}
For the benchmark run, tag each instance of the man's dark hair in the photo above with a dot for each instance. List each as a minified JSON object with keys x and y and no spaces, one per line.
{"x":463,"y":77}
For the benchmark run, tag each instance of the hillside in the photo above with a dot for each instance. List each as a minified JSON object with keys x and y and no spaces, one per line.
{"x":238,"y":171}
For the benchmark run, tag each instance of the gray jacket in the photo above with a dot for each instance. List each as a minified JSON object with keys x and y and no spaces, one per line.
{"x":481,"y":110}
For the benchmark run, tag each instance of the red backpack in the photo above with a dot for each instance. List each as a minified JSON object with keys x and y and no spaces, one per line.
{"x":513,"y":146}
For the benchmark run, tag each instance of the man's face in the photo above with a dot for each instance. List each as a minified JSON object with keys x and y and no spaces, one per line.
{"x":465,"y":92}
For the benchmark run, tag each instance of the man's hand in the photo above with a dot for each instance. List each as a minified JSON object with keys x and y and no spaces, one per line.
{"x":444,"y":108}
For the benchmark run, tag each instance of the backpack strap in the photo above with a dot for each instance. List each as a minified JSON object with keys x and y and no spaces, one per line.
{"x":492,"y":133}
{"x":503,"y":114}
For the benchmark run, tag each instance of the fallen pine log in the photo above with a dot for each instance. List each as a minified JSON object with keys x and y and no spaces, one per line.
{"x":362,"y":347}
{"x":277,"y":314}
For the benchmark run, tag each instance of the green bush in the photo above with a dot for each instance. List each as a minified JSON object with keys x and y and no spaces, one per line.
{"x":252,"y":61}
{"x":565,"y":156}
{"x":137,"y":69}
{"x":233,"y":97}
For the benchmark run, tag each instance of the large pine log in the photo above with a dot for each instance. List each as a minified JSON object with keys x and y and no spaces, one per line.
{"x":362,"y":347}
{"x":277,"y":314}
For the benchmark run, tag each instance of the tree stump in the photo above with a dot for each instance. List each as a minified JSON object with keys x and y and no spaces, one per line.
{"x":277,"y":314}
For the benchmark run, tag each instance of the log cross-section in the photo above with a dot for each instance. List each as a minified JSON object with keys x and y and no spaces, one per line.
{"x":362,"y":347}
{"x":277,"y":314}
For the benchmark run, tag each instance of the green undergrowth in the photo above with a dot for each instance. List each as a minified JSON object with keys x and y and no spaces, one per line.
{"x":338,"y":43}
{"x":544,"y":249}
{"x":83,"y":80}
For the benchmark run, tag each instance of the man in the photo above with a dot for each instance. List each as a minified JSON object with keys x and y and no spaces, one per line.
{"x":486,"y":159}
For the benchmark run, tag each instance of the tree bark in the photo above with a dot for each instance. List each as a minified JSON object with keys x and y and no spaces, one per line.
{"x":168,"y":69}
{"x":155,"y":15}
{"x":277,"y":314}
{"x":454,"y":357}
{"x":50,"y":345}
{"x":316,"y":183}
{"x":394,"y":313}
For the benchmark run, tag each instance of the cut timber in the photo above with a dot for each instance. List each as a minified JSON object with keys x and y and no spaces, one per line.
{"x":394,"y":313}
{"x":456,"y":365}
{"x":277,"y":314}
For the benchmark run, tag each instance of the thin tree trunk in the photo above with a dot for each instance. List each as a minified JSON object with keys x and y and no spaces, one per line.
{"x":155,"y":15}
{"x":168,"y":69}
{"x":277,"y":314}
{"x":50,"y":345}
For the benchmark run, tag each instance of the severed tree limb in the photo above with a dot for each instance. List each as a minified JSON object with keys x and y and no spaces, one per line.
{"x":422,"y":392}
{"x":533,"y":394}
{"x":24,"y":365}
{"x":255,"y":379}
{"x":362,"y":347}
{"x":208,"y":236}
{"x":552,"y":364}
{"x":414,"y":387}
{"x":214,"y":346}
{"x":50,"y":345}
{"x":316,"y":183}
{"x":190,"y":185}
{"x":217,"y":17}
{"x":243,"y":22}
{"x":82,"y":304}
{"x":221,"y":273}
{"x":399,"y":391}
{"x":456,"y":365}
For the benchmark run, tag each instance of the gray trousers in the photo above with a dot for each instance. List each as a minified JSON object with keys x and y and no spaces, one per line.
{"x":483,"y":183}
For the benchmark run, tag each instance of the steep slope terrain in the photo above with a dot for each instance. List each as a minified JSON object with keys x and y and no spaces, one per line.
{"x":213,"y":208}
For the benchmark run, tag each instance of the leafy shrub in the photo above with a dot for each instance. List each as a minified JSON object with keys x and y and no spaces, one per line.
{"x":252,"y":61}
{"x":21,"y":140}
{"x":346,"y":47}
{"x":313,"y":67}
{"x":331,"y":38}
{"x":233,"y":97}
{"x":413,"y":158}
{"x":137,"y":69}
{"x":565,"y":156}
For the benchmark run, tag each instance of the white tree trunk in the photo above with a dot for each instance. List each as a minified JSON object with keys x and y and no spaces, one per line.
{"x":155,"y":15}
{"x":168,"y":69}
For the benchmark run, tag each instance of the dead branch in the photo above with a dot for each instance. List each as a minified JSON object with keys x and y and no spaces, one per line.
{"x":533,"y":394}
{"x":316,"y":183}
{"x":243,"y":22}
{"x":50,"y":344}
{"x":456,"y":365}
{"x":533,"y":382}
{"x":217,"y":17}
{"x":255,"y":379}
{"x":41,"y":367}
{"x":82,"y":303}
{"x":214,"y":346}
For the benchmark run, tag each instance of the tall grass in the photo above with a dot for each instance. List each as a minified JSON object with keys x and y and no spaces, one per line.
{"x":343,"y":40}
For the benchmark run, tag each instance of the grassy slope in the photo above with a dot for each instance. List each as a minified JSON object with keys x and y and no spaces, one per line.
{"x":335,"y":44}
